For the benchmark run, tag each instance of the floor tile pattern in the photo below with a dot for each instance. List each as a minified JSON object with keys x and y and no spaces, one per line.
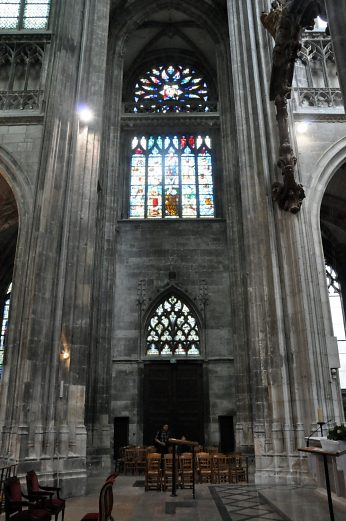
{"x":242,"y":503}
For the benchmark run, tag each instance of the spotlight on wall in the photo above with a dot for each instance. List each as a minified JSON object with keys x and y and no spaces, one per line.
{"x":85,"y":113}
{"x":334,"y":373}
{"x":302,"y":127}
{"x":65,"y":355}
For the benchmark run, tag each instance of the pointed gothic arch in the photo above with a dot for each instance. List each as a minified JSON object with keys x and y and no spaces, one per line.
{"x":182,"y":335}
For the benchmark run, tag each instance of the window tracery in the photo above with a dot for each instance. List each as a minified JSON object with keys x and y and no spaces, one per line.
{"x":338,"y":319}
{"x":171,"y":177}
{"x":172,"y":330}
{"x":4,"y":327}
{"x":172,"y":88}
{"x":24,"y":14}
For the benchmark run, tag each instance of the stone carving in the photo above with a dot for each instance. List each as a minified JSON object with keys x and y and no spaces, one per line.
{"x":286,"y":22}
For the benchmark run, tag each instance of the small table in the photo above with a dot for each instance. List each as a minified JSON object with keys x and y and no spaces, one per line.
{"x":325,"y":453}
{"x":174,"y":442}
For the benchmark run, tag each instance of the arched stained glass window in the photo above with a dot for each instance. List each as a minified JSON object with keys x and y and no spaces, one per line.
{"x":171,"y":177}
{"x":172,"y":330}
{"x":4,"y":327}
{"x":338,"y":319}
{"x":171,"y":88}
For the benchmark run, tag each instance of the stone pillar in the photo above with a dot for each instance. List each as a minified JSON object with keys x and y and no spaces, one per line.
{"x":49,"y":392}
{"x":284,"y":346}
{"x":336,"y":10}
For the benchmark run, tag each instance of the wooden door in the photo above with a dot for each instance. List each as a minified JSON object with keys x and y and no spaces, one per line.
{"x":173,"y":394}
{"x":226,"y":434}
{"x":121,"y":433}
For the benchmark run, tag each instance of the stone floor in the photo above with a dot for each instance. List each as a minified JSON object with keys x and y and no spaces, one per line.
{"x":242,"y":502}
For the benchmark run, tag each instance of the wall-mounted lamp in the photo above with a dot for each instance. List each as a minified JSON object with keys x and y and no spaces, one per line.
{"x":85,"y":113}
{"x":302,"y":127}
{"x":334,"y":373}
{"x":65,"y":355}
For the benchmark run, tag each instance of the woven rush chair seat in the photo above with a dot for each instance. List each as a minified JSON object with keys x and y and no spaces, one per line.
{"x":17,"y":509}
{"x":44,"y":495}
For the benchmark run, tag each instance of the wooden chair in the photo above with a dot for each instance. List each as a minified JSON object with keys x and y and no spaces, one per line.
{"x":185,"y":470}
{"x":105,"y":505}
{"x":238,"y":472}
{"x":120,"y":462}
{"x":130,"y":460}
{"x":153,"y":471}
{"x":204,"y":467}
{"x":168,"y":470}
{"x":44,"y":495}
{"x":221,"y":468}
{"x":15,"y":505}
{"x":212,"y":450}
{"x":141,"y":460}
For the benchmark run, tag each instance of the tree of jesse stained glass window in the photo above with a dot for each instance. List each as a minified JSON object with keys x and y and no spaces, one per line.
{"x":171,"y":88}
{"x":172,"y":330}
{"x":171,"y":177}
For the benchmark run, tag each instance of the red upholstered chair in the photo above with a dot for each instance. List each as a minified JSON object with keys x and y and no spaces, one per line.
{"x":44,"y":495}
{"x":105,"y":505}
{"x":15,"y":505}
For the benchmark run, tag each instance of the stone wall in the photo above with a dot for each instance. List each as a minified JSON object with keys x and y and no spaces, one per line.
{"x":196,"y":251}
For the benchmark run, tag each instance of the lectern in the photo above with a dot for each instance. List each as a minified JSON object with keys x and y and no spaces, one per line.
{"x":316,"y":451}
{"x":174,"y":442}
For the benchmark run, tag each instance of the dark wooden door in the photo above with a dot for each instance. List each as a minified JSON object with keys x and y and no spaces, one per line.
{"x":173,"y":394}
{"x":226,"y":434}
{"x":121,"y":434}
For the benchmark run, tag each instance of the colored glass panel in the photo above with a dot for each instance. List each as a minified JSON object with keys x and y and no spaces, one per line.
{"x":170,"y":88}
{"x":171,"y":177}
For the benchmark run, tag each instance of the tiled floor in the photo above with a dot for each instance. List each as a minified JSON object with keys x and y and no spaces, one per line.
{"x":212,"y":503}
{"x":241,"y":502}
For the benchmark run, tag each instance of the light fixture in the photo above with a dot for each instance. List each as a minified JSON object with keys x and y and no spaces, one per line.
{"x":302,"y":127}
{"x":65,"y":355}
{"x":85,"y":113}
{"x":334,"y":373}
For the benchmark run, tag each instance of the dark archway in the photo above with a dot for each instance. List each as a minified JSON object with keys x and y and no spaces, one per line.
{"x":8,"y":242}
{"x":333,"y":228}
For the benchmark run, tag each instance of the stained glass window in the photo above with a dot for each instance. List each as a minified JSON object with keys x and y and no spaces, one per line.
{"x":24,"y":14}
{"x":337,"y":312}
{"x":172,"y":330}
{"x":171,"y":177}
{"x":171,"y":88}
{"x":4,"y":328}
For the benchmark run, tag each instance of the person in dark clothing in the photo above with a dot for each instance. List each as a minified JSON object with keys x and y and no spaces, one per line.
{"x":161,"y":439}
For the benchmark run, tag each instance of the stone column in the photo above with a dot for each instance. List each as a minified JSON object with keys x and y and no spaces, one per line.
{"x":336,"y":10}
{"x":48,"y":392}
{"x":284,"y":346}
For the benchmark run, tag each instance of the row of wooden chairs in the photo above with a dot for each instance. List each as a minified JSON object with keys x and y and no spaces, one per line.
{"x":159,"y":471}
{"x":221,"y":468}
{"x":215,"y":468}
